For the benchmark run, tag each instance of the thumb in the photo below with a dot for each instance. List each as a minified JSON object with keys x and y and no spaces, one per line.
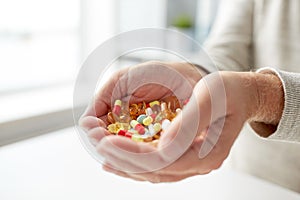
{"x":207,"y":105}
{"x":185,"y":127}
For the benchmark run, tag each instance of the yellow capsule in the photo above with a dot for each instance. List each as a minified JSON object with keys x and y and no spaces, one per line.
{"x":124,"y":126}
{"x":147,"y":121}
{"x":151,"y":104}
{"x":118,"y":102}
{"x":157,"y":127}
{"x":113,"y":128}
{"x":137,"y":138}
{"x":133,"y":123}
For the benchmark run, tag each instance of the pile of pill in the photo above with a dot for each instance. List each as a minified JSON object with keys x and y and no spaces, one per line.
{"x":143,"y":122}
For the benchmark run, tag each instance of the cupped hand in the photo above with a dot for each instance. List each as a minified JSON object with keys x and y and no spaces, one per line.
{"x":198,"y":140}
{"x":144,"y":82}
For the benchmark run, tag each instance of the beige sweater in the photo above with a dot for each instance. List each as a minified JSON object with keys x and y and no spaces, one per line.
{"x":248,"y":35}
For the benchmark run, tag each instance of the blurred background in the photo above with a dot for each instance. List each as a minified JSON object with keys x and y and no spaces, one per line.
{"x":44,"y":43}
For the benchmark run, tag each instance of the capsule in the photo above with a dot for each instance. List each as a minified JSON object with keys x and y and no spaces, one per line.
{"x":137,"y":138}
{"x":122,"y":132}
{"x":172,"y":102}
{"x":113,"y":128}
{"x":148,"y":120}
{"x":154,"y":129}
{"x":149,"y":111}
{"x":157,"y":127}
{"x":117,"y":107}
{"x":165,"y":124}
{"x":156,"y":108}
{"x":128,"y":134}
{"x":110,"y":118}
{"x":137,"y":126}
{"x":151,"y":104}
{"x":141,"y":118}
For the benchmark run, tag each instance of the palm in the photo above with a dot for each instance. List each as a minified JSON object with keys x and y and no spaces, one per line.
{"x":145,"y":82}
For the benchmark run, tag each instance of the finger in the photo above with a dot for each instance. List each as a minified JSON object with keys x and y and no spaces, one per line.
{"x":120,"y":164}
{"x":151,"y":177}
{"x":108,"y":168}
{"x":102,"y":101}
{"x":211,"y":137}
{"x":90,"y":122}
{"x":161,"y":178}
{"x":182,"y":131}
{"x":96,"y":134}
{"x":221,"y":149}
{"x":141,"y":155}
{"x":208,"y":103}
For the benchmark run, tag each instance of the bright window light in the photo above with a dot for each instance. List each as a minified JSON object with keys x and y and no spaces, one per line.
{"x":39,"y":43}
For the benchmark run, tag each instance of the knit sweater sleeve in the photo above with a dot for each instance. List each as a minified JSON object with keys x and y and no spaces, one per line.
{"x":230,"y":40}
{"x":288,"y":128}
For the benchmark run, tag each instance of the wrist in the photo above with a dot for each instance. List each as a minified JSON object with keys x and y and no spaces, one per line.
{"x":270,"y":97}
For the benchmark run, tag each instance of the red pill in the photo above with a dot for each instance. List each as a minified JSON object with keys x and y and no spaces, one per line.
{"x":153,"y":116}
{"x":122,"y":132}
{"x":140,"y":128}
{"x":117,"y":110}
{"x":128,"y":134}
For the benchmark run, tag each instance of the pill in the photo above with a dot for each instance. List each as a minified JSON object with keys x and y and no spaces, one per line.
{"x":151,"y":131}
{"x":124,"y":126}
{"x":133,"y":123}
{"x":141,"y":118}
{"x":159,"y":118}
{"x":147,"y":139}
{"x":156,"y":136}
{"x":157,"y":127}
{"x":137,"y":138}
{"x":148,"y":120}
{"x":128,"y":134}
{"x":117,"y":107}
{"x":163,"y":106}
{"x":122,"y":132}
{"x":137,"y":126}
{"x":151,"y":104}
{"x":143,"y":122}
{"x":132,"y":131}
{"x":118,"y":102}
{"x":165,"y":124}
{"x":140,"y":128}
{"x":110,"y":118}
{"x":154,"y":128}
{"x":113,"y":128}
{"x":153,"y":116}
{"x":156,"y":108}
{"x":149,"y":111}
{"x":172,"y":102}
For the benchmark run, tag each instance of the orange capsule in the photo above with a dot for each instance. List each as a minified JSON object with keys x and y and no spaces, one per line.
{"x":110,"y":118}
{"x":172,"y":102}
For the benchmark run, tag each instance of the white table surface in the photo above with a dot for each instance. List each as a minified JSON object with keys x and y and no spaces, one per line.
{"x":56,"y":166}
